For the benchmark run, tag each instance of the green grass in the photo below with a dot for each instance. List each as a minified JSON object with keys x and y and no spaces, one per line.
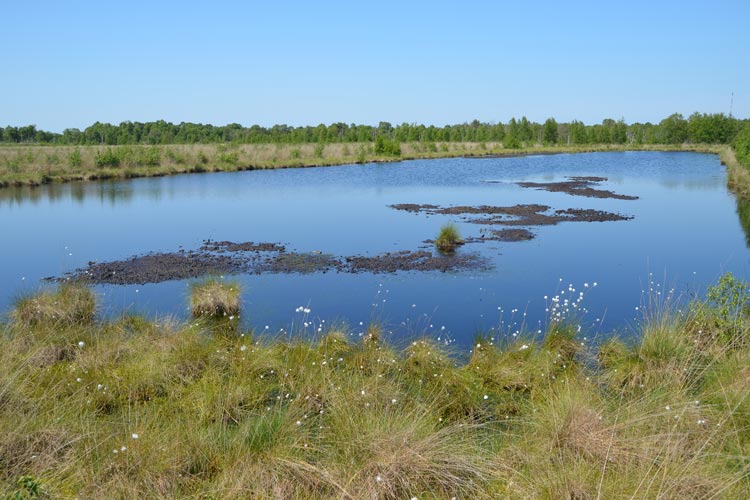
{"x":448,"y":238}
{"x":214,"y":298}
{"x":130,"y":408}
{"x":70,"y":304}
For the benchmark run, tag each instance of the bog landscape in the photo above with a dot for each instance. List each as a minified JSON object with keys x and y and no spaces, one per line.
{"x":380,"y":377}
{"x":516,"y":308}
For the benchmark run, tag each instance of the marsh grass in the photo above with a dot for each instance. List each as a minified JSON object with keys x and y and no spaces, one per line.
{"x":448,"y":239}
{"x":34,"y":165}
{"x":136,"y":408}
{"x":70,"y":304}
{"x":214,"y":298}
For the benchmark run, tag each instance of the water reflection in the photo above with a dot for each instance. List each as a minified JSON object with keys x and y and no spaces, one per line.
{"x":743,"y":212}
{"x":111,"y":192}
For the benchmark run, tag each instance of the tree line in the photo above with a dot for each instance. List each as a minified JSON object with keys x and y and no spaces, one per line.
{"x":675,"y":129}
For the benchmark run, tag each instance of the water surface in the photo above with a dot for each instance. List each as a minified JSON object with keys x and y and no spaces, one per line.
{"x":685,"y":232}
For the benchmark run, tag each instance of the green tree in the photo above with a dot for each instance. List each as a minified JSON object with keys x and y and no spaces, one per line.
{"x":511,"y":140}
{"x":578,"y":133}
{"x":525,"y":133}
{"x":741,"y":145}
{"x":549,"y":132}
{"x":11,"y":134}
{"x":27,"y":133}
{"x":674,"y":129}
{"x":637,"y":133}
{"x":620,"y":132}
{"x":386,"y":146}
{"x":710,"y":129}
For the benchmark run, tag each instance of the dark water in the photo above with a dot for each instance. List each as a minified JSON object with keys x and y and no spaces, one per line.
{"x":686,"y":233}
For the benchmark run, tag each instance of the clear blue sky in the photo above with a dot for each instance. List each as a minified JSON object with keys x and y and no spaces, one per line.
{"x":71,"y":63}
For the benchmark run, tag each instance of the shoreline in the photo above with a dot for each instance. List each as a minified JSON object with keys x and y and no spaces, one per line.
{"x":37,"y":165}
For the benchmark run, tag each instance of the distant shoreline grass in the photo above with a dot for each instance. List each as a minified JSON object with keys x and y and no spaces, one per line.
{"x":34,"y":165}
{"x":131,"y":408}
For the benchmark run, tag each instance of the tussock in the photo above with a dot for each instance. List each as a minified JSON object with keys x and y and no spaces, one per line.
{"x":214,"y":298}
{"x":70,"y":304}
{"x":132,"y":408}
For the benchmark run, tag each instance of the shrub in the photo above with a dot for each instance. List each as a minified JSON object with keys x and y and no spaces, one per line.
{"x":175,"y":156}
{"x":75,"y":159}
{"x":388,"y":147}
{"x":448,"y":239}
{"x":148,"y":156}
{"x":110,"y":157}
{"x":362,"y":154}
{"x":721,"y":316}
{"x":741,"y":146}
{"x":229,"y":158}
{"x":511,"y":142}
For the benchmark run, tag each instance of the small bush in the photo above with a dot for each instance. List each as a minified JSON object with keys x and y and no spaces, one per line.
{"x":148,"y":156}
{"x":448,"y":239}
{"x":388,"y":147}
{"x":71,"y":304}
{"x":741,"y":146}
{"x":75,"y":159}
{"x":175,"y":156}
{"x":110,"y":157}
{"x":214,"y":298}
{"x":362,"y":154}
{"x":511,"y":142}
{"x":721,"y":316}
{"x":229,"y":158}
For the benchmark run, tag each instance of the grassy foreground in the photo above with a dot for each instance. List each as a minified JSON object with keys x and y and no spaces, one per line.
{"x":34,"y":165}
{"x":128,"y":408}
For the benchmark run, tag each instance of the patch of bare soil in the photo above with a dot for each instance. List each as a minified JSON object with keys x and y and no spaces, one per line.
{"x":578,"y":186}
{"x":248,"y":246}
{"x":520,"y":215}
{"x":260,"y":258}
{"x":415,"y":261}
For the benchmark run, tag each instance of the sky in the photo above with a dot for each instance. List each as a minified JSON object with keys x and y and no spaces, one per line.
{"x":70,"y":64}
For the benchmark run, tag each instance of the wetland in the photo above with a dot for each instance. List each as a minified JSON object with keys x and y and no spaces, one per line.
{"x":356,"y":243}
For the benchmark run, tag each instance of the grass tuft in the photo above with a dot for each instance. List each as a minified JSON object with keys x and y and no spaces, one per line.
{"x":448,"y":239}
{"x":137,"y":408}
{"x":214,"y":298}
{"x":70,"y":304}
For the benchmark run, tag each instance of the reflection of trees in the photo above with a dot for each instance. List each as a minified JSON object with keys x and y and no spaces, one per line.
{"x":115,"y":191}
{"x":743,"y":212}
{"x":20,"y":195}
{"x":78,"y":191}
{"x":105,"y":191}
